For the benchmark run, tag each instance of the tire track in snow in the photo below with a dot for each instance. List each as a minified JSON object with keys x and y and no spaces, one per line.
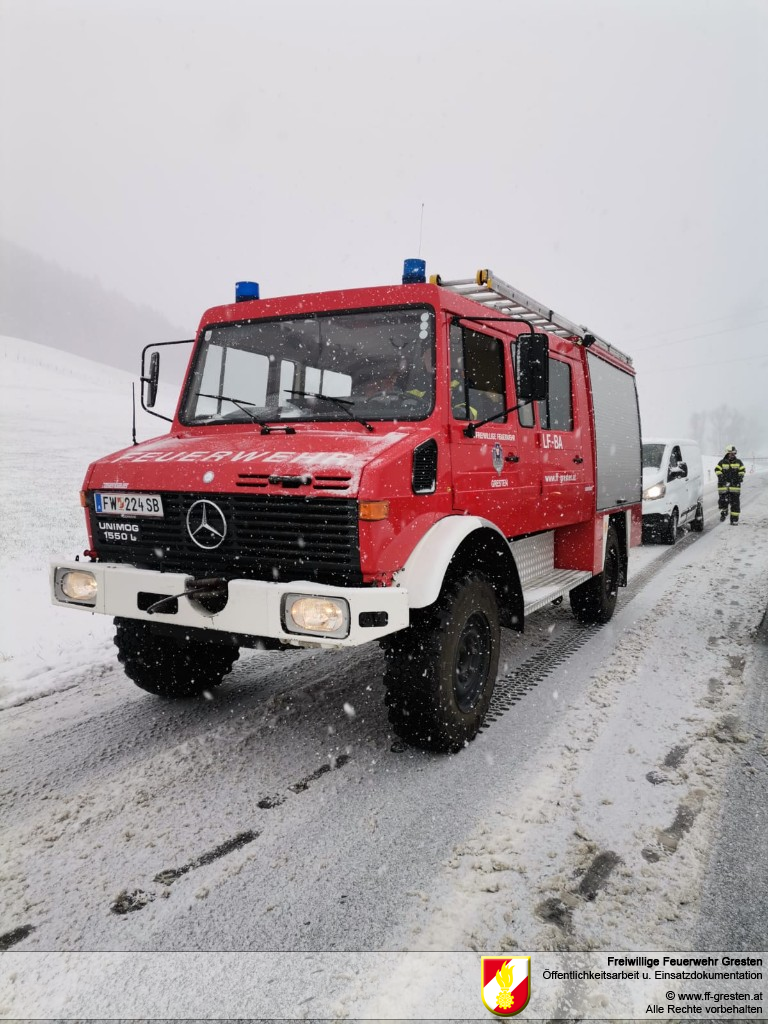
{"x":246,"y":756}
{"x":94,"y":735}
{"x":118,"y":819}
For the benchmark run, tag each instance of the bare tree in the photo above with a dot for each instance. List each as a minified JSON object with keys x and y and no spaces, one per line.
{"x":724,"y":425}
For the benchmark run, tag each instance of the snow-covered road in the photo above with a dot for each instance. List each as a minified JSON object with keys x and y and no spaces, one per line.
{"x":283,"y":815}
{"x":271,"y":818}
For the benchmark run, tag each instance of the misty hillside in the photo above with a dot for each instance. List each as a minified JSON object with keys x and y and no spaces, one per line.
{"x":45,"y":303}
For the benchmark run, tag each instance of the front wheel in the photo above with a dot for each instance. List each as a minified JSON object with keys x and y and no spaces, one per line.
{"x":170,"y":665}
{"x":595,"y":600}
{"x":440,"y":672}
{"x":670,"y":530}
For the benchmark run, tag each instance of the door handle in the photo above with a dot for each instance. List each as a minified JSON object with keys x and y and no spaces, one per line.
{"x":577,"y":458}
{"x":511,"y":458}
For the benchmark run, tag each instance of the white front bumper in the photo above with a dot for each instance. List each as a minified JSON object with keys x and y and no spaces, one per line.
{"x":254,"y":607}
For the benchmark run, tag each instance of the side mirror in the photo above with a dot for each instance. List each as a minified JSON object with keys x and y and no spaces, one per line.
{"x":532,"y":367}
{"x":150,"y":396}
{"x":149,"y":381}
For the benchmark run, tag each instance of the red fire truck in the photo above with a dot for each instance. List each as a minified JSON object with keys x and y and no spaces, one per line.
{"x":418,"y":464}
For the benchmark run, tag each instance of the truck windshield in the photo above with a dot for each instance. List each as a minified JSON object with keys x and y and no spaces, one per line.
{"x":378,"y":361}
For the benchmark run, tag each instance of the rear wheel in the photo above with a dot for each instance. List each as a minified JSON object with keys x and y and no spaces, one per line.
{"x":441,"y":671}
{"x":595,"y":600}
{"x":697,"y":526}
{"x":170,"y":665}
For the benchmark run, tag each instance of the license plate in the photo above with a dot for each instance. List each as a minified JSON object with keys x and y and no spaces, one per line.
{"x":107,"y":504}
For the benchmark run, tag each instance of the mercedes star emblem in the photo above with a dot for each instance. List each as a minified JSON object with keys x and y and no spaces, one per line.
{"x":206,"y":524}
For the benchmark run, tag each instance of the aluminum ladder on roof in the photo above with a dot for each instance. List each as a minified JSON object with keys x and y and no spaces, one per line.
{"x":491,"y":291}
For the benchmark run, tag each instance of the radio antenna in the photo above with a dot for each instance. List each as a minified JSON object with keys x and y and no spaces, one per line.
{"x":133,"y":397}
{"x":421,"y":228}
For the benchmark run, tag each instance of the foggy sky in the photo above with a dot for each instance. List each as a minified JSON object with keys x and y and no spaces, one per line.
{"x":607,"y":158}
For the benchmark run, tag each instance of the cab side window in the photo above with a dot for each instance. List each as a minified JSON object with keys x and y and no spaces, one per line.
{"x":556,"y":411}
{"x":477,"y":374}
{"x":675,"y":464}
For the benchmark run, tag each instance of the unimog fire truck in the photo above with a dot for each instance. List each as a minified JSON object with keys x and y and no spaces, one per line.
{"x":418,"y":465}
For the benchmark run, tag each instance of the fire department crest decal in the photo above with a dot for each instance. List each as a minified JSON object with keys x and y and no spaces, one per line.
{"x":506,"y":984}
{"x":498,"y":457}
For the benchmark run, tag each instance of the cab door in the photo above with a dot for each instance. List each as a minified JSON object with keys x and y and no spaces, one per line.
{"x":493,"y":471}
{"x":678,"y":484}
{"x":563,"y":445}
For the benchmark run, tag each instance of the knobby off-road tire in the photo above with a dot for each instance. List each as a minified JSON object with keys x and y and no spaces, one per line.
{"x":167,"y":666}
{"x":440,"y":672}
{"x":697,"y":526}
{"x":595,"y":600}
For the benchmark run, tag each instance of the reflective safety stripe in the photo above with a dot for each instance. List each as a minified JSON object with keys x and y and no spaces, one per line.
{"x":460,"y":409}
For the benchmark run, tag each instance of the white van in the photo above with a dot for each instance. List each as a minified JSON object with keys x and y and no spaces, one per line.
{"x":673,"y":488}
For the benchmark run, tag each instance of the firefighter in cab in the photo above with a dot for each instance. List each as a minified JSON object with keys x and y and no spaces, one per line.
{"x":730,"y":472}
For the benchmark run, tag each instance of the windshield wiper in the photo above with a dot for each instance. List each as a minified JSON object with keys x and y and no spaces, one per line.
{"x":240,"y":403}
{"x":343,"y":403}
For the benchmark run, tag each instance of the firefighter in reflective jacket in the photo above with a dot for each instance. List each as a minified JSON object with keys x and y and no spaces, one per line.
{"x":730,"y":472}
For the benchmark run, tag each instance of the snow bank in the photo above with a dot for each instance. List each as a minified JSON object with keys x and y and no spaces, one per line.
{"x":57,"y":412}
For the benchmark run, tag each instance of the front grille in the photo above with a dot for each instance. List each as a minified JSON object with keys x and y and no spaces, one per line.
{"x":268,"y":537}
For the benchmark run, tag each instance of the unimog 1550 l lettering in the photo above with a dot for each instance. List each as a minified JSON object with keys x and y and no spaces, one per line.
{"x":417,"y":464}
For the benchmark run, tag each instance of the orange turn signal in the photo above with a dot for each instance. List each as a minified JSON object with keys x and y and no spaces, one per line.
{"x":372,"y":511}
{"x":83,"y":499}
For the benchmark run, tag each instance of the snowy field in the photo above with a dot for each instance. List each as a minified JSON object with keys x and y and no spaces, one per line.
{"x":585,"y":818}
{"x":58,"y":412}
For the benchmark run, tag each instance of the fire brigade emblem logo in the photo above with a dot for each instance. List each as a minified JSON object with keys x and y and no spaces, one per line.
{"x":206,"y":524}
{"x":506,"y":984}
{"x":498,"y":457}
